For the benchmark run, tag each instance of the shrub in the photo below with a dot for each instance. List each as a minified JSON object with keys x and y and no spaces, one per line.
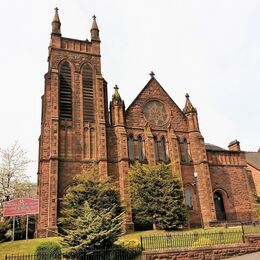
{"x":3,"y":230}
{"x":202,"y":241}
{"x":125,"y":252}
{"x":131,"y":243}
{"x":48,"y":251}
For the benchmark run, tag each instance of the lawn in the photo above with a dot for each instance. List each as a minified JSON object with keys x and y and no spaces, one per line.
{"x":157,"y":239}
{"x":28,"y":247}
{"x":137,"y":235}
{"x":196,"y":239}
{"x":23,"y":246}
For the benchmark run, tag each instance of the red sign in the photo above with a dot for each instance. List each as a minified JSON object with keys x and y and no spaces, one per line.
{"x":21,"y":207}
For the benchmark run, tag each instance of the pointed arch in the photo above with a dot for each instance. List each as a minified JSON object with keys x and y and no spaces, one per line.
{"x":88,"y":93}
{"x":65,"y":91}
{"x":222,"y":191}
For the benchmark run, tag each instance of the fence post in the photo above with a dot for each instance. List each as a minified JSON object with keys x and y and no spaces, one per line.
{"x":243,"y":232}
{"x":142,"y":248}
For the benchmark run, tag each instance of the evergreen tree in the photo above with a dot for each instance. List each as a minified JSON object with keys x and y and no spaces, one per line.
{"x":157,"y":197}
{"x":92,"y":216}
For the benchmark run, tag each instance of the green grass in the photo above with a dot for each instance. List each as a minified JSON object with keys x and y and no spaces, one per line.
{"x":153,"y":239}
{"x":251,"y":229}
{"x":196,"y":239}
{"x":137,"y":235}
{"x":29,"y":247}
{"x":23,"y":246}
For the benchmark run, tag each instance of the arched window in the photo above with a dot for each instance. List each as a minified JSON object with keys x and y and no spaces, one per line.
{"x":88,"y":95}
{"x":131,"y":147}
{"x":86,"y":143}
{"x":92,"y":143}
{"x":185,"y":150}
{"x":65,"y":92}
{"x":163,"y":146}
{"x":219,"y":206}
{"x":140,"y":148}
{"x":188,"y":197}
{"x":155,"y":145}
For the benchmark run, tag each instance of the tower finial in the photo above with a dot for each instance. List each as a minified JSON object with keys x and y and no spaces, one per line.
{"x":189,"y":108}
{"x":152,"y":74}
{"x":56,"y":22}
{"x":116,"y":95}
{"x":94,"y":30}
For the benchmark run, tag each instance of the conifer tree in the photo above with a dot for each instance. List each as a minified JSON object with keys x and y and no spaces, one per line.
{"x":157,"y":197}
{"x":92,"y":216}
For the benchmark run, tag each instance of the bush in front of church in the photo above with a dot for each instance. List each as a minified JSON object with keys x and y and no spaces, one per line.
{"x":92,"y":216}
{"x":48,"y":251}
{"x":157,"y":197}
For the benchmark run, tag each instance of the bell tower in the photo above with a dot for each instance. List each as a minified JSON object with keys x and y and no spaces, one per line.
{"x":73,"y":122}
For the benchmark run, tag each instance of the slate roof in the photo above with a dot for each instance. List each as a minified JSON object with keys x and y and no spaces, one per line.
{"x":254,"y":158}
{"x":213,"y":147}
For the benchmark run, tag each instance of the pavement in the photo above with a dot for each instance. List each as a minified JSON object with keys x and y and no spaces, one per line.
{"x":253,"y":256}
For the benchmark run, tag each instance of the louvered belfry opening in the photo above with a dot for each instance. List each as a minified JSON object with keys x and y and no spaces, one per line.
{"x":88,"y":95}
{"x":65,"y":92}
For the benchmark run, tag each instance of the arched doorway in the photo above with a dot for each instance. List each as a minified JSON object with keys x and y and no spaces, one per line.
{"x":219,"y":206}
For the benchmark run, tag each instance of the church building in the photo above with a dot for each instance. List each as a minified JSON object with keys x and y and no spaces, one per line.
{"x":79,"y":129}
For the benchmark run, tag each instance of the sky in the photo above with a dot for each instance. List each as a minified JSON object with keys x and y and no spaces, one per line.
{"x":209,"y":49}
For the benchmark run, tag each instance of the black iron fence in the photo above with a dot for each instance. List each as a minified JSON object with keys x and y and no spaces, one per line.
{"x":41,"y":256}
{"x":104,"y":254}
{"x":170,"y":240}
{"x":250,"y":228}
{"x":192,"y":240}
{"x":200,"y":239}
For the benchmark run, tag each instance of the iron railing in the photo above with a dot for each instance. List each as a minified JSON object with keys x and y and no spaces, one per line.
{"x":192,"y":240}
{"x":170,"y":240}
{"x":103,"y":254}
{"x":250,"y":228}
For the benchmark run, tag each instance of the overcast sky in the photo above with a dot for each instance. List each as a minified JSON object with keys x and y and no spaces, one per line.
{"x":209,"y":49}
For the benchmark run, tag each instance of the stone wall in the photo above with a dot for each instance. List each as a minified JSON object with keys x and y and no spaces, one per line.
{"x":256,"y":177}
{"x":232,"y":183}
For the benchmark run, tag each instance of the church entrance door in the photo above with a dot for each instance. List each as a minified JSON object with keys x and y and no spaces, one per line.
{"x":219,"y":206}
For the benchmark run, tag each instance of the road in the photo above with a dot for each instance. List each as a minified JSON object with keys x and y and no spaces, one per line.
{"x":253,"y":256}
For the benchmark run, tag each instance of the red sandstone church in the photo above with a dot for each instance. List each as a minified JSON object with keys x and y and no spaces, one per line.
{"x":78,"y":129}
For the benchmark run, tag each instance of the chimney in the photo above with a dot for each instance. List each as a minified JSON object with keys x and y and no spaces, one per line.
{"x":234,"y":146}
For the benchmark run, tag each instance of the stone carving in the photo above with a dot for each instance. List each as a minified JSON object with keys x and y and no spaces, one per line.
{"x":76,"y":60}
